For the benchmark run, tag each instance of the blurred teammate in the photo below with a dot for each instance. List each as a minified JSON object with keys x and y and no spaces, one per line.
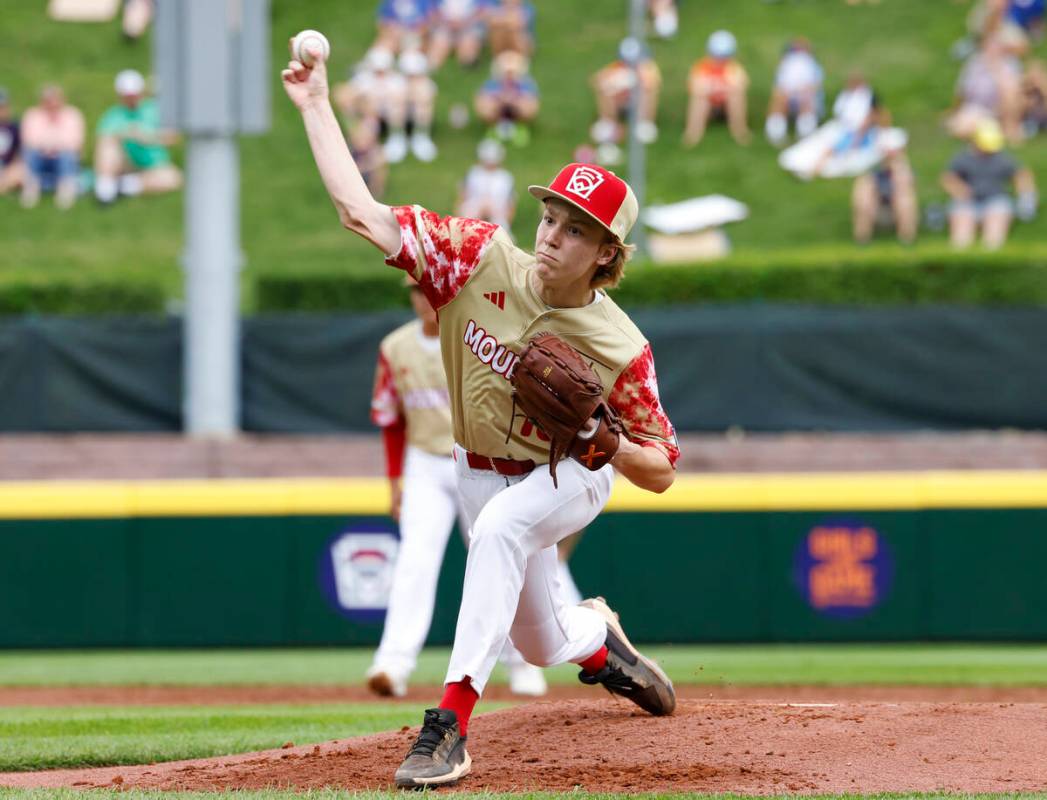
{"x":410,"y":404}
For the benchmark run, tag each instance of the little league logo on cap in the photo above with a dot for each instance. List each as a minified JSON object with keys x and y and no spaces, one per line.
{"x":584,"y":181}
{"x":598,"y":192}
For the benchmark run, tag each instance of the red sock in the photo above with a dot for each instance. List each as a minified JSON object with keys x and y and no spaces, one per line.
{"x":595,"y":662}
{"x":460,"y":697}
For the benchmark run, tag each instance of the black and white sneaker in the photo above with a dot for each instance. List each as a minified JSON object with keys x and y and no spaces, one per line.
{"x":438,"y":756}
{"x":628,"y":673}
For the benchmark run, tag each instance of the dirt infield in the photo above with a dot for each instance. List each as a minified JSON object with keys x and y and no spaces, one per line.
{"x":601,"y":744}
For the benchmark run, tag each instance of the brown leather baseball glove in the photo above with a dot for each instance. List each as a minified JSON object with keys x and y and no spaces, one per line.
{"x":562,"y":394}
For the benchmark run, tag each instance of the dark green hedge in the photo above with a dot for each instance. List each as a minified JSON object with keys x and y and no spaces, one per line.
{"x":56,"y":295}
{"x":895,"y":279}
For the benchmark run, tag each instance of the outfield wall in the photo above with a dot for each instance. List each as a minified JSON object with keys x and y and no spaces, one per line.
{"x":840,"y":557}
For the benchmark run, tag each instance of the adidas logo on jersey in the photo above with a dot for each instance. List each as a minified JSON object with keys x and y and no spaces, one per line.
{"x":498,"y":298}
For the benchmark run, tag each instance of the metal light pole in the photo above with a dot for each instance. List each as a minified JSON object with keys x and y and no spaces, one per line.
{"x":211,"y":59}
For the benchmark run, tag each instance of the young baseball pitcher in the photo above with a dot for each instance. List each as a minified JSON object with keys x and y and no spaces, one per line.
{"x":512,"y":326}
{"x":411,"y":405}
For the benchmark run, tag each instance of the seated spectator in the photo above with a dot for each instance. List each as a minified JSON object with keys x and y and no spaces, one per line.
{"x":797,"y":93}
{"x":857,"y":109}
{"x":508,"y":100}
{"x":848,"y":144}
{"x":1034,"y":99}
{"x":664,"y":17}
{"x":487,"y":192}
{"x":511,"y":27}
{"x":613,"y":86}
{"x":1028,"y":15}
{"x":137,"y":16}
{"x":365,"y":144}
{"x":886,"y":197}
{"x":992,"y":19}
{"x":11,"y":169}
{"x":421,"y":100}
{"x":978,"y":181}
{"x":989,"y":87}
{"x":460,"y":25}
{"x":401,"y":101}
{"x":131,"y":155}
{"x":53,"y":136}
{"x":717,"y":87}
{"x":403,"y":24}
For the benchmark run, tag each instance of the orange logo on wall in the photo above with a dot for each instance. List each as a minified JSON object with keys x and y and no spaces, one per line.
{"x":843,"y":567}
{"x":843,"y":572}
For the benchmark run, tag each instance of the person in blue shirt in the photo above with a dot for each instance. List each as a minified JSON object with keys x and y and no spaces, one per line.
{"x":508,"y":100}
{"x":511,"y":25}
{"x":404,"y":24}
{"x":1028,"y":15}
{"x":460,"y":25}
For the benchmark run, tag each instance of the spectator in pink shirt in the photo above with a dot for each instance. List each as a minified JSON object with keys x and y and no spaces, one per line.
{"x":52,"y":141}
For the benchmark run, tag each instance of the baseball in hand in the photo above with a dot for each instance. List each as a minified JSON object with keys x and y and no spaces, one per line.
{"x":308,"y":40}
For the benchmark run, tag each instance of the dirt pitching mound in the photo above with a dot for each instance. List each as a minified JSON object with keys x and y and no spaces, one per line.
{"x":748,"y":747}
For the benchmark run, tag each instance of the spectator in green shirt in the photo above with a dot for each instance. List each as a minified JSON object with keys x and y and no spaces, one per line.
{"x":131,"y":155}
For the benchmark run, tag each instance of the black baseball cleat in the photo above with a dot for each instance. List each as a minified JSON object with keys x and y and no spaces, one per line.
{"x":438,"y":756}
{"x":628,"y":673}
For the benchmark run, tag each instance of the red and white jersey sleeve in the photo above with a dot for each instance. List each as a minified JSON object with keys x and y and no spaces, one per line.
{"x":386,"y":409}
{"x":439,"y":252}
{"x":635,"y":398}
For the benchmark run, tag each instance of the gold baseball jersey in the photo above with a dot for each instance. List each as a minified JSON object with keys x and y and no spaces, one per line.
{"x":480,"y":283}
{"x":410,"y":382}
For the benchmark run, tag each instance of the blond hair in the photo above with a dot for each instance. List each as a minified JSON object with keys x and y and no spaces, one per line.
{"x":609,"y":275}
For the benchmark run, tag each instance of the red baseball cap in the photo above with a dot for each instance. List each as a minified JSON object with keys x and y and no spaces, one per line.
{"x":596,"y":191}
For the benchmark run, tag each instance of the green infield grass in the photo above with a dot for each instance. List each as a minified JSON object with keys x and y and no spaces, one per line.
{"x":990,"y":664}
{"x":34,"y":738}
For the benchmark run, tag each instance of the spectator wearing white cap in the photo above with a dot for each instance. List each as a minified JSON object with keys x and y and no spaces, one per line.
{"x":487,"y":191}
{"x":11,"y":168}
{"x":613,"y":87}
{"x":717,"y":87}
{"x":131,"y":151}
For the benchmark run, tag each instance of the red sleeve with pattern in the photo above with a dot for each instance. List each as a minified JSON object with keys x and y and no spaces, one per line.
{"x":635,"y":398}
{"x":439,"y":252}
{"x":385,"y":400}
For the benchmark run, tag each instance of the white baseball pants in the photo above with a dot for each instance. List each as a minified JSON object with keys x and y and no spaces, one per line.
{"x":512,"y":585}
{"x":427,"y":513}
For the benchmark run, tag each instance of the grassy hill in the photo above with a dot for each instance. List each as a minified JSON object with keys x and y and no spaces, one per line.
{"x":288,"y":223}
